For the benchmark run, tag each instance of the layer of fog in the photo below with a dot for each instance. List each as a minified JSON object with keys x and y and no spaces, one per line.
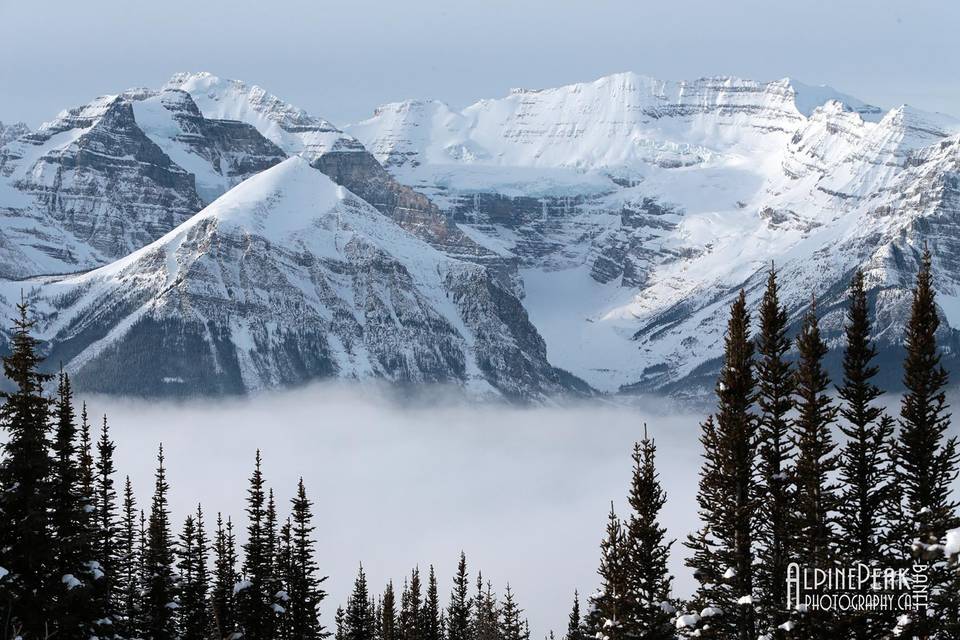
{"x":524,"y":492}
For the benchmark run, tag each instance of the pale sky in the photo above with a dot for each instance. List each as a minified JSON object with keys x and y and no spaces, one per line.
{"x":341,"y":59}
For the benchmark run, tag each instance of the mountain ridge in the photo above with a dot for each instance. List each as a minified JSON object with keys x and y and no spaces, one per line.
{"x":605,"y":225}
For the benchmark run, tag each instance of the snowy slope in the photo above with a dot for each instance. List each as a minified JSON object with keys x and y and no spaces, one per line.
{"x":289,"y":127}
{"x":10,"y":132}
{"x":639,"y":207}
{"x":219,"y":153}
{"x":86,"y":187}
{"x":289,"y":277}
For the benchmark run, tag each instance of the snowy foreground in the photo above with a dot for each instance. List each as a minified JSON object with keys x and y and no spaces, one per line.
{"x":524,"y":493}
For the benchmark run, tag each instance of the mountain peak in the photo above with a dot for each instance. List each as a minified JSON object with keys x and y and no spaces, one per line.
{"x":288,"y":126}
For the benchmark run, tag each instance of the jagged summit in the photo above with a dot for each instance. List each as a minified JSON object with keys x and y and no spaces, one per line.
{"x":289,"y":127}
{"x":620,"y":122}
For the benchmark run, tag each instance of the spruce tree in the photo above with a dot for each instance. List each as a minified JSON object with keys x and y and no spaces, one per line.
{"x":723,"y":558}
{"x":160,"y":584}
{"x":816,"y":498}
{"x":71,"y":526}
{"x":358,"y":621}
{"x":86,"y":464}
{"x":222,"y":603}
{"x":485,"y":624}
{"x":432,"y":612}
{"x":127,"y":584}
{"x":193,"y":611}
{"x":608,"y":604}
{"x":304,"y":586}
{"x":646,"y":550}
{"x":254,"y":600}
{"x":511,"y":625}
{"x":339,"y":622}
{"x":408,"y":620}
{"x":708,"y":557}
{"x":575,"y":622}
{"x":867,"y":492}
{"x":460,"y":605}
{"x":775,"y":454}
{"x":926,"y":457}
{"x":105,"y":549}
{"x":273,"y":584}
{"x":26,"y":470}
{"x":284,"y":572}
{"x":388,"y":614}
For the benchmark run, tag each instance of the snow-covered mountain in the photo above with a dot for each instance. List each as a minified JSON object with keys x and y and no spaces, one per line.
{"x":373,"y":284}
{"x":602,"y":228}
{"x":639,"y":207}
{"x":286,"y":278}
{"x":10,"y":132}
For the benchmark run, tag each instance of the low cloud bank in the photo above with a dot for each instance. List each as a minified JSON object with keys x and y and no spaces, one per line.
{"x":523,"y":491}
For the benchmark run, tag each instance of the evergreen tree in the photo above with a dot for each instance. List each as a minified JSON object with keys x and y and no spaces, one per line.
{"x":339,"y":621}
{"x":485,"y":624}
{"x":273,"y":584}
{"x":159,"y":586}
{"x":432,"y":613}
{"x":408,"y":622}
{"x":71,"y":526}
{"x":775,"y":453}
{"x":304,"y":585}
{"x":708,"y":557}
{"x":816,"y":499}
{"x":194,"y":615}
{"x":575,"y":623}
{"x":284,"y":571}
{"x":127,"y":585}
{"x":727,"y":497}
{"x":605,"y":619}
{"x":254,"y":599}
{"x":358,"y":620}
{"x":926,"y":457}
{"x":85,"y":451}
{"x":646,"y":551}
{"x":105,"y":549}
{"x":511,"y":626}
{"x":377,"y":615}
{"x":388,"y":614}
{"x":867,"y":492}
{"x":460,"y":605}
{"x":28,"y":549}
{"x":225,"y":578}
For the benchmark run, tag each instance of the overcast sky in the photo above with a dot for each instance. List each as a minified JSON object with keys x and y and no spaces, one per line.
{"x":341,"y":59}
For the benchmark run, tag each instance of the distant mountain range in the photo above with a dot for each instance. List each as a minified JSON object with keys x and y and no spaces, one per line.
{"x":207,"y":237}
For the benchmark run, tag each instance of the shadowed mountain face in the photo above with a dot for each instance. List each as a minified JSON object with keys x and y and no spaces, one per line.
{"x":601,"y":228}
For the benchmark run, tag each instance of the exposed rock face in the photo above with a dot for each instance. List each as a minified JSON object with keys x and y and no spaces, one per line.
{"x":10,"y":132}
{"x":289,"y":127}
{"x":92,"y":187}
{"x":104,"y":179}
{"x":290,"y":278}
{"x":342,"y":158}
{"x":220,"y":153}
{"x":647,"y":205}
